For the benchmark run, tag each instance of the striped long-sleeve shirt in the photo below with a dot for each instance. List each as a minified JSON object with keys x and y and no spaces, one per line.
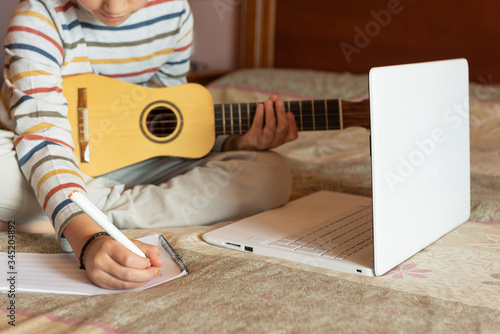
{"x":50,"y":39}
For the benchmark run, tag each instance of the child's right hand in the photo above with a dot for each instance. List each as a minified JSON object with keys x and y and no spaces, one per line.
{"x":110,"y":265}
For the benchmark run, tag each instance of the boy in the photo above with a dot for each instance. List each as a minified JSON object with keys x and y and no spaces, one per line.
{"x":145,"y":42}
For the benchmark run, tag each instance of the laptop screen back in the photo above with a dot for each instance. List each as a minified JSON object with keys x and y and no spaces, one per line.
{"x":420,"y":156}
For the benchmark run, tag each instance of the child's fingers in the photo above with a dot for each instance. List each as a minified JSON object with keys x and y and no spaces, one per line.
{"x":292,"y":128}
{"x":274,"y":98}
{"x":282,"y":125}
{"x":126,"y":258}
{"x":269,"y":115}
{"x":115,"y":276}
{"x":111,"y":265}
{"x":258,"y":120}
{"x":130,"y":276}
{"x":152,"y":253}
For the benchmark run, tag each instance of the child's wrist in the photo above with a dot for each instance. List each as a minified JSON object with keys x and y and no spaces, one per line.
{"x":87,"y":243}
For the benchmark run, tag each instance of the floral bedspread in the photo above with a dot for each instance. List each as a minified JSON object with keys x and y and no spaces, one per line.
{"x":452,"y":286}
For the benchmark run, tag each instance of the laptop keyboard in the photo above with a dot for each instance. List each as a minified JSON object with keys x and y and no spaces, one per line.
{"x":337,"y":239}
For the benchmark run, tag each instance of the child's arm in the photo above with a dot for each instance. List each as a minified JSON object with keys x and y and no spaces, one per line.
{"x":32,"y":93}
{"x":107,"y":262}
{"x":36,"y":55}
{"x":268,"y":134}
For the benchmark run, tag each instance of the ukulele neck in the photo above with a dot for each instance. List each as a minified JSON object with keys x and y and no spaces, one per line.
{"x":316,"y":115}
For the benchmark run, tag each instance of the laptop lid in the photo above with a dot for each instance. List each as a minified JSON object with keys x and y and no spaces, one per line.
{"x":420,"y":156}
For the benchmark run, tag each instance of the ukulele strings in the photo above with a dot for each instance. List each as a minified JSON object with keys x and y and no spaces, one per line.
{"x":308,"y":114}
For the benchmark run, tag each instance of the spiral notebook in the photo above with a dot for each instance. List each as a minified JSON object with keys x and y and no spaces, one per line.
{"x":59,"y":273}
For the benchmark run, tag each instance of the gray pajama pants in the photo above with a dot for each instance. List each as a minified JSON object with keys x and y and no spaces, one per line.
{"x":167,"y":191}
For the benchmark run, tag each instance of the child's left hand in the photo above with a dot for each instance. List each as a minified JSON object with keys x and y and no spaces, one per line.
{"x":277,"y":130}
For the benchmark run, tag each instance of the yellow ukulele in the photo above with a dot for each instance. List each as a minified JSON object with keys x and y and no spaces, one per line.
{"x":116,"y":124}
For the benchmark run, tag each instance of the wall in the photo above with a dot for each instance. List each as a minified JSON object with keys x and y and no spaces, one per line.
{"x":216,"y":34}
{"x":364,"y":34}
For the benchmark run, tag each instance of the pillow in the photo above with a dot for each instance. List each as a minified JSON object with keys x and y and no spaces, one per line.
{"x":255,"y":85}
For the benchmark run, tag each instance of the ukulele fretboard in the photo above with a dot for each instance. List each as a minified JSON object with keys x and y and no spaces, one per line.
{"x":316,"y":115}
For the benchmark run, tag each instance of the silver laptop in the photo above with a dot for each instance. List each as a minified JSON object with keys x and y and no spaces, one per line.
{"x":420,"y":181}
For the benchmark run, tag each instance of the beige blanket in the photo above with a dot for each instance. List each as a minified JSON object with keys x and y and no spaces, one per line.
{"x":452,"y":286}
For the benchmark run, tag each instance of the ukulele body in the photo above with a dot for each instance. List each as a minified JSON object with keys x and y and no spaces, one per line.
{"x":116,"y":124}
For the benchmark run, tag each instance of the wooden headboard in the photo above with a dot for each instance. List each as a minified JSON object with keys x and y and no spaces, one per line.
{"x":353,"y":36}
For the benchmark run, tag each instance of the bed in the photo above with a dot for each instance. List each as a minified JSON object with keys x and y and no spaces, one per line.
{"x":451,"y":286}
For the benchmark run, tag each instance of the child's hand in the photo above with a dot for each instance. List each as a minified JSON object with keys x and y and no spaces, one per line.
{"x":112,"y":266}
{"x":275,"y":131}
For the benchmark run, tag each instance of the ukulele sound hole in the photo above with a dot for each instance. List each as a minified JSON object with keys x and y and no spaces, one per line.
{"x":161,"y":122}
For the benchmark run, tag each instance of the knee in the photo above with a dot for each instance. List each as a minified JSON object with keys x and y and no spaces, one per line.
{"x":276,"y":184}
{"x":251,"y":181}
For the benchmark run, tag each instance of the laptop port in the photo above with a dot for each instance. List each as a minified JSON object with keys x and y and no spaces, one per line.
{"x":231,"y":244}
{"x":248,"y":249}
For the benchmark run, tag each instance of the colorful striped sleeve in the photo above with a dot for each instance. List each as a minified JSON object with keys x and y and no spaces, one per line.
{"x":32,"y":93}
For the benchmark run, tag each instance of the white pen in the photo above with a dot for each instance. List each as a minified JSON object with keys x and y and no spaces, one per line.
{"x":101,"y":219}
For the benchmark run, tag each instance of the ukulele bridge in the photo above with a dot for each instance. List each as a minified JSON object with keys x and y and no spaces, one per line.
{"x":83,"y":126}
